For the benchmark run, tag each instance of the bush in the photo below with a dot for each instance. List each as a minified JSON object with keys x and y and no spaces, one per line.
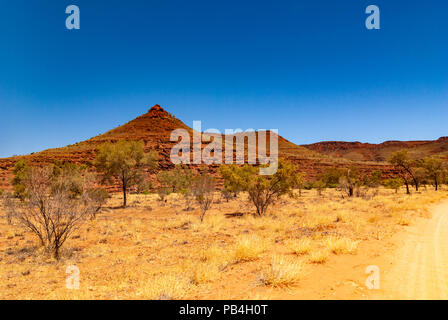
{"x":350,"y":181}
{"x":48,"y":207}
{"x":203,"y":189}
{"x":99,"y":198}
{"x":308,"y":185}
{"x":20,"y":171}
{"x":263,"y":190}
{"x":176,"y":180}
{"x":320,"y":186}
{"x":331,"y":177}
{"x":163,"y":193}
{"x":394,"y":183}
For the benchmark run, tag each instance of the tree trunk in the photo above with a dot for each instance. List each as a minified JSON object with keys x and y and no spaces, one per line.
{"x":416,"y":184}
{"x":124,"y":194}
{"x":350,"y":191}
{"x":407,"y":187}
{"x":436,"y":184}
{"x":56,"y":252}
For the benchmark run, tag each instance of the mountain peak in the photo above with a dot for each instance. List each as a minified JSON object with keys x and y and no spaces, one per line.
{"x":157,"y":112}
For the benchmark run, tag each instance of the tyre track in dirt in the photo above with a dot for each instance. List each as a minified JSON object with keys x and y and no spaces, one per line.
{"x":420,"y":266}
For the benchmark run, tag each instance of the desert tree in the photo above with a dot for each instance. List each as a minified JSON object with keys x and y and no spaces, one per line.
{"x":374,"y":179}
{"x":49,"y":209}
{"x":393,"y":183}
{"x":331,"y":177}
{"x":263,"y":190}
{"x":177,"y":179}
{"x":226,"y":194}
{"x":203,"y":188}
{"x":434,"y":169}
{"x":300,"y":182}
{"x":163,"y":193}
{"x":320,"y":186}
{"x":230,"y":188}
{"x":124,"y":161}
{"x":20,"y":172}
{"x":73,"y":178}
{"x":406,"y":168}
{"x":350,"y":181}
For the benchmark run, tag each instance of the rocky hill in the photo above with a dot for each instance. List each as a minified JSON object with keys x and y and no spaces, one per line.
{"x":154,"y":128}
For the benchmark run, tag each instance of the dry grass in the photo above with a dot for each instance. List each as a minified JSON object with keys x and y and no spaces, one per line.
{"x":319,"y":256}
{"x":166,"y":287}
{"x":248,"y":248}
{"x":282,"y":272}
{"x":341,"y":245}
{"x":300,"y":246}
{"x":154,"y":250}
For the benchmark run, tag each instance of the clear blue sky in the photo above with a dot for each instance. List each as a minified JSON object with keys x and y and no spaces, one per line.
{"x":309,"y":68}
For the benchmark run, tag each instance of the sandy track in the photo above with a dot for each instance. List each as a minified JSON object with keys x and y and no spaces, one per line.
{"x":421,"y":267}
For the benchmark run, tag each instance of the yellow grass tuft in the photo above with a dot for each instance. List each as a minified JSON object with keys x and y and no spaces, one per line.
{"x":282,"y":272}
{"x":319,"y":257}
{"x":248,"y":248}
{"x":166,"y":287}
{"x":341,"y":245}
{"x":299,"y":246}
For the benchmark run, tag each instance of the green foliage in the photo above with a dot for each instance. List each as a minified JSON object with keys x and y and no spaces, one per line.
{"x":320,"y":186}
{"x":145,"y":187}
{"x":308,"y":185}
{"x":263,"y":190}
{"x":69,"y":175}
{"x":393,"y":183}
{"x":374,"y":179}
{"x":331,"y":177}
{"x":433,"y":169}
{"x":21,"y":171}
{"x":300,"y":183}
{"x":125,"y":161}
{"x":403,"y":163}
{"x":177,"y":180}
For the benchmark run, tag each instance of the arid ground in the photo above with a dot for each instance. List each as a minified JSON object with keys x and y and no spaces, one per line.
{"x":309,"y":247}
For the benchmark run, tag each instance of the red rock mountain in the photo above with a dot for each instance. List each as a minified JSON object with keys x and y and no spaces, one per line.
{"x":155,"y":127}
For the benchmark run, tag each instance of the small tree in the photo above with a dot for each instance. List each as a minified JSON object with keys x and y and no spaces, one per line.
{"x":263,"y":190}
{"x":331,"y":177}
{"x":178,"y":179}
{"x":226,"y":194}
{"x":350,"y":181}
{"x":124,"y":161}
{"x":163,"y":193}
{"x":300,"y":182}
{"x":393,"y":183}
{"x":374,"y":179}
{"x":203,"y":189}
{"x":49,"y":209}
{"x":434,"y":169}
{"x":405,"y":166}
{"x":320,"y":186}
{"x":20,"y":171}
